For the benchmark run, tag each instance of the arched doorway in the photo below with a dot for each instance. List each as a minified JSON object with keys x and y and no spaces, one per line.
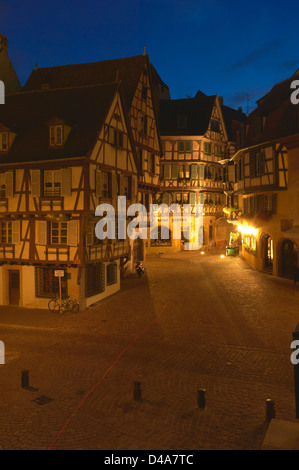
{"x":267,"y":252}
{"x":289,"y":258}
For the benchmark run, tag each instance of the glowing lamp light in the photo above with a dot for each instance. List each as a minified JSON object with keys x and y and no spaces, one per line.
{"x":202,"y":252}
{"x":222,"y":256}
{"x":246,"y":230}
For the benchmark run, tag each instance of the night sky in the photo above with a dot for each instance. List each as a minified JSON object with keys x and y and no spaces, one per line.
{"x":230,"y":47}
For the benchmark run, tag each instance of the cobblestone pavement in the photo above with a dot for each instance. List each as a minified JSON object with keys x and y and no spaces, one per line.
{"x":193,"y":321}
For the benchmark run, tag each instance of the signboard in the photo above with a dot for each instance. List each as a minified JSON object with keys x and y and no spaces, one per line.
{"x":58,"y":273}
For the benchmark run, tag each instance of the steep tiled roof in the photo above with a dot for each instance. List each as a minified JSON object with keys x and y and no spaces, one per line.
{"x":28,"y":113}
{"x":197,"y":111}
{"x":128,"y":70}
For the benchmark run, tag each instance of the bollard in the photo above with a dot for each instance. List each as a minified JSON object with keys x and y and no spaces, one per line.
{"x":25,"y":378}
{"x":201,"y":399}
{"x":270,"y":410}
{"x":137,"y":391}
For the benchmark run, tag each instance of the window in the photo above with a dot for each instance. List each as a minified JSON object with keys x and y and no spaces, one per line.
{"x":56,"y":135}
{"x":58,"y":233}
{"x":47,"y":284}
{"x":111,"y":274}
{"x":3,"y":141}
{"x":52,"y":182}
{"x":6,"y":232}
{"x":7,"y":184}
{"x":116,"y":137}
{"x":215,"y":125}
{"x":162,"y":232}
{"x":94,"y":279}
{"x":207,"y":148}
{"x":142,"y":124}
{"x":144,"y":93}
{"x":182,"y":122}
{"x":153,"y":163}
{"x":184,"y":146}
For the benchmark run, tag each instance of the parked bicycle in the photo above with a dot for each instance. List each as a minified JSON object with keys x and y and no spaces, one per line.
{"x":66,"y":305}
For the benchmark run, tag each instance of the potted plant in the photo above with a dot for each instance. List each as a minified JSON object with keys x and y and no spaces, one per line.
{"x":233,"y":248}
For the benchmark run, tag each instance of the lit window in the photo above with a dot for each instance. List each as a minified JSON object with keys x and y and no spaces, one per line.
{"x":59,"y":233}
{"x":56,"y":135}
{"x":185,"y":146}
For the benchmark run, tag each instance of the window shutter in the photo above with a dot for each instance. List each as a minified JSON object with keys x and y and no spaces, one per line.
{"x":201,"y":198}
{"x":166,"y":198}
{"x":9,"y":184}
{"x":114,"y":185}
{"x":72,"y":233}
{"x":167,"y":171}
{"x":98,"y":177}
{"x":102,"y":279}
{"x":121,"y":185}
{"x":89,"y":234}
{"x":143,"y":161}
{"x":35,"y":183}
{"x":252,"y":165}
{"x":274,"y":203}
{"x":262,"y":157}
{"x":175,"y":171}
{"x":66,"y":182}
{"x":193,"y":171}
{"x":16,"y":232}
{"x":134,"y":187}
{"x":192,"y":198}
{"x":111,"y":135}
{"x":245,"y":206}
{"x":202,"y":172}
{"x":41,"y":232}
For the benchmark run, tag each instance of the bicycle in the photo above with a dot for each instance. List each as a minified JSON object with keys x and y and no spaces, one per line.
{"x":67,"y":304}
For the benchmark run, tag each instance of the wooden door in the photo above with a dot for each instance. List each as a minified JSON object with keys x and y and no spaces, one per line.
{"x":14,"y":287}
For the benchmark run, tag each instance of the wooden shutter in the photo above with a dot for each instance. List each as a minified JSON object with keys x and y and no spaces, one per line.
{"x":167,"y":171}
{"x":212,"y":172}
{"x":16,"y":232}
{"x":193,"y":171}
{"x":192,"y":198}
{"x":134,"y":187}
{"x":114,"y":186}
{"x":99,"y":182}
{"x":144,"y":160}
{"x":66,"y":182}
{"x":175,"y":171}
{"x":41,"y":232}
{"x":89,"y":234}
{"x":202,"y":172}
{"x":252,"y":165}
{"x":35,"y":183}
{"x":72,"y":233}
{"x":122,"y":183}
{"x":9,"y":184}
{"x":102,"y":277}
{"x":166,"y":198}
{"x":262,"y":157}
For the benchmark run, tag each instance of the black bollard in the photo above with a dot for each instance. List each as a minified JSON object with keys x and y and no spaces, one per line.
{"x":137,"y":391}
{"x":270,"y":410}
{"x":25,"y":378}
{"x":201,"y":399}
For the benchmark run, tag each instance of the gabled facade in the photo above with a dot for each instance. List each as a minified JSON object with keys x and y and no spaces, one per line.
{"x":195,"y":140}
{"x":73,"y":150}
{"x":263,"y":187}
{"x":7,"y":73}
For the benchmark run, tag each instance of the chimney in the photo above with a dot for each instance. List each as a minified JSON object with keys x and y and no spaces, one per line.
{"x":221,"y":100}
{"x":240,"y":109}
{"x":3,"y":43}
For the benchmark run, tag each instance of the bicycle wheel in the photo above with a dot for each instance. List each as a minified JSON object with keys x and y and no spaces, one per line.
{"x":54,"y":306}
{"x":73,"y":306}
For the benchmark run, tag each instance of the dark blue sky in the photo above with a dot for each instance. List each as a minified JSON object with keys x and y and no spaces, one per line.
{"x":229,"y":47}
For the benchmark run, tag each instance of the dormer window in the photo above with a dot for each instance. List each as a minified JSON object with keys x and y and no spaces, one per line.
{"x":56,"y":135}
{"x":3,"y":141}
{"x":182,"y":122}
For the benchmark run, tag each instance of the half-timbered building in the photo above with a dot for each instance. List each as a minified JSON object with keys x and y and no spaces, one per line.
{"x":195,"y":140}
{"x":62,"y":153}
{"x":263,"y":182}
{"x":141,"y":87}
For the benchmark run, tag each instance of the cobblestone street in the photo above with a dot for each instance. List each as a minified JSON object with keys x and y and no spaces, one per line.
{"x":193,"y":321}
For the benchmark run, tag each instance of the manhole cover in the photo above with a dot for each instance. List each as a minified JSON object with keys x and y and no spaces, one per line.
{"x":43,"y":400}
